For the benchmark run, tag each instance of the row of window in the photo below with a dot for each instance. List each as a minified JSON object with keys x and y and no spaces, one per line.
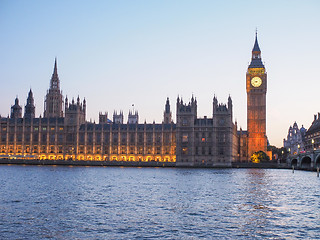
{"x":202,"y":151}
{"x":28,"y":129}
{"x":204,"y":161}
{"x":221,"y":137}
{"x":88,"y":150}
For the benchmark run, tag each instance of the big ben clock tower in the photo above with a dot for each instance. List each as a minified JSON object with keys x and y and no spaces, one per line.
{"x":256,"y":82}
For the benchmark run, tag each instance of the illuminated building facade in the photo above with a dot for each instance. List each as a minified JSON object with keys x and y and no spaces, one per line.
{"x":256,"y":84}
{"x":64,"y":133}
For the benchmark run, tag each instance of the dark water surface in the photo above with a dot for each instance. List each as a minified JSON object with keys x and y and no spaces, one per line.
{"x":48,"y":202}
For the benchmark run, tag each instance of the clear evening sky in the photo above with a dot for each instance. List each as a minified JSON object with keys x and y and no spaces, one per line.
{"x":119,"y":53}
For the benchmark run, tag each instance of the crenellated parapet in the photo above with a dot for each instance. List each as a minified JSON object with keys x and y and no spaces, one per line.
{"x":75,"y":112}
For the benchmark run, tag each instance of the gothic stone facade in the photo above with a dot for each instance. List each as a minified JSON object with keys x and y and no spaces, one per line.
{"x":205,"y":141}
{"x":66,"y":135}
{"x":191,"y":142}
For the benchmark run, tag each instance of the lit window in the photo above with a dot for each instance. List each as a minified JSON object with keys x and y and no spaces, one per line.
{"x":184,"y":151}
{"x":185,"y":137}
{"x":184,"y":122}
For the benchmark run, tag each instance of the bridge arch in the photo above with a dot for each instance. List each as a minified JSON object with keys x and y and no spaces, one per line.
{"x":306,"y":162}
{"x":317,"y":162}
{"x":294,"y":162}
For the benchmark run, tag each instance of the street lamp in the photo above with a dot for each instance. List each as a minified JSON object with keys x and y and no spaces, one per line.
{"x":298,"y":148}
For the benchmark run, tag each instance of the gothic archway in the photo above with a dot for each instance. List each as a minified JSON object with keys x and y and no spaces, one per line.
{"x":306,"y":162}
{"x":294,"y":163}
{"x":317,"y":162}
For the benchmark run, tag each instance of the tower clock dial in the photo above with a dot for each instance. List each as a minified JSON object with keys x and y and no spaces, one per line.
{"x":256,"y":82}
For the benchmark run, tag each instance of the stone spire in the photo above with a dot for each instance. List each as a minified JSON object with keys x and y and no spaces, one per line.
{"x":16,"y":110}
{"x":54,"y":99}
{"x":55,"y":82}
{"x":256,"y":47}
{"x":167,"y":106}
{"x":256,"y":55}
{"x":29,"y":109}
{"x":167,"y":115}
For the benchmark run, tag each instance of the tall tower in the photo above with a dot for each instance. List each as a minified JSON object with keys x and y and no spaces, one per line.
{"x":53,"y":105}
{"x":256,"y":83}
{"x":186,"y":118}
{"x":29,"y":109}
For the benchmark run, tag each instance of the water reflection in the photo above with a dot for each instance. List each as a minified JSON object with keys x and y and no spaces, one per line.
{"x":256,"y":203}
{"x":135,"y":203}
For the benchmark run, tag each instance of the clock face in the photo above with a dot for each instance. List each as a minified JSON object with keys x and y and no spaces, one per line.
{"x":256,"y":82}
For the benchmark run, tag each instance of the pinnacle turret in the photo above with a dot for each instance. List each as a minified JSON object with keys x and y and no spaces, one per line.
{"x":256,"y":55}
{"x":167,"y":106}
{"x":256,"y":47}
{"x":29,"y":109}
{"x":55,"y":82}
{"x":54,"y":99}
{"x":167,"y":116}
{"x":16,"y":110}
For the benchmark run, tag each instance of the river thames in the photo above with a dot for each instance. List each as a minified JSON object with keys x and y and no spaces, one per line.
{"x":58,"y":202}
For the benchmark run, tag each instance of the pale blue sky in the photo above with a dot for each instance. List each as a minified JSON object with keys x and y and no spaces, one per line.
{"x":119,"y":53}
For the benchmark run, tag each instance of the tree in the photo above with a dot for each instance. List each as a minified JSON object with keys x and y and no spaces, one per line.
{"x":259,"y":157}
{"x":278,"y":153}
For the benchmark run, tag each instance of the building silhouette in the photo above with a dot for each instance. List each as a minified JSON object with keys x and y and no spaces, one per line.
{"x":65,"y":134}
{"x":295,"y":139}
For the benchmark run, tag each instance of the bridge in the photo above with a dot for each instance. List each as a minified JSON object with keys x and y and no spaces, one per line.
{"x":305,"y":160}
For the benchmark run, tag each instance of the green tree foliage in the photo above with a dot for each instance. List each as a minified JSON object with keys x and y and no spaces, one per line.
{"x":259,"y":157}
{"x":278,"y":153}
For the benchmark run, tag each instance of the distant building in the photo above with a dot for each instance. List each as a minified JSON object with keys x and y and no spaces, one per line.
{"x":205,"y":141}
{"x":295,"y":139}
{"x":64,"y":133}
{"x":312,"y":136}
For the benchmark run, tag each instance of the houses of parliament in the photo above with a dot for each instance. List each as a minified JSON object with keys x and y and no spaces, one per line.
{"x":63,"y":133}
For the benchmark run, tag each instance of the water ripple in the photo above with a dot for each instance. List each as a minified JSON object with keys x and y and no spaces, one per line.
{"x":154,"y":203}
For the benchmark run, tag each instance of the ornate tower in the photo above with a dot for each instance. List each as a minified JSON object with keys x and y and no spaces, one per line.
{"x":167,"y":117}
{"x":29,"y":109}
{"x":53,"y":105}
{"x":186,"y":117}
{"x":133,"y":117}
{"x":118,"y":118}
{"x":256,"y":83}
{"x":16,"y":110}
{"x":75,"y":113}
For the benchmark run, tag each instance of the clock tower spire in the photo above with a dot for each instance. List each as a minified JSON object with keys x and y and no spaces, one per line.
{"x":256,"y":84}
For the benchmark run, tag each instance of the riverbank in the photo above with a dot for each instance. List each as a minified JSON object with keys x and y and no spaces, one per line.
{"x":271,"y":165}
{"x":267,"y":165}
{"x":87,"y":163}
